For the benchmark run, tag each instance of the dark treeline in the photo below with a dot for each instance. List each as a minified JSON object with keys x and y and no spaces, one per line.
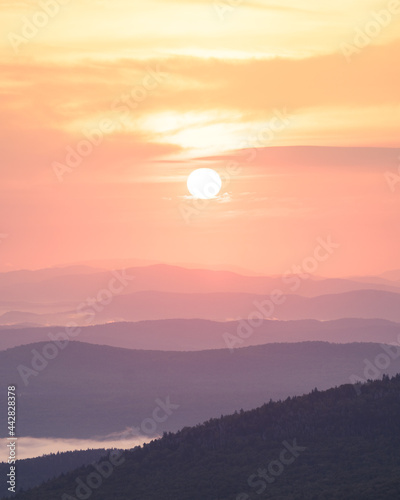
{"x":34,"y":471}
{"x":349,"y":449}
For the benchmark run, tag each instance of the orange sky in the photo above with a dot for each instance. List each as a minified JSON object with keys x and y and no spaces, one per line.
{"x":178,"y":85}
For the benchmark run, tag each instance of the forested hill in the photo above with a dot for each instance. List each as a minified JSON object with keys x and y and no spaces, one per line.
{"x":33,"y":471}
{"x":336,"y":444}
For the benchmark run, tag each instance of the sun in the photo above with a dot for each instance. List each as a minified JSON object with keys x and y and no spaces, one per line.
{"x":204,"y":183}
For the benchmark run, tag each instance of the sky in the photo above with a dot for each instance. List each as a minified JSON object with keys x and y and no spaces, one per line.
{"x":107,"y":106}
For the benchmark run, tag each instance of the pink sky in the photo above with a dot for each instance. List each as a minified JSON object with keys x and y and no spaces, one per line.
{"x":180,"y":85}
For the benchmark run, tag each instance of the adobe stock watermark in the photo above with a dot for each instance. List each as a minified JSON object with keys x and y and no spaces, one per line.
{"x":196,"y":205}
{"x":224,"y":7}
{"x":48,"y":10}
{"x":363,"y":37}
{"x":260,"y":481}
{"x":149,"y":426}
{"x":276,"y":125}
{"x":292,"y":278}
{"x":103,"y":470}
{"x":374,"y":370}
{"x":59,"y":341}
{"x":93,"y":481}
{"x":92,"y":138}
{"x":392,"y":178}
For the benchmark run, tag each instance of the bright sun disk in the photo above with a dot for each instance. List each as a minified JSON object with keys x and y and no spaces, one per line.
{"x":204,"y":183}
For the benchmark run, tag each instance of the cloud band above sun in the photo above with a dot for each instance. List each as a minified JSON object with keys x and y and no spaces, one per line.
{"x":107,"y":108}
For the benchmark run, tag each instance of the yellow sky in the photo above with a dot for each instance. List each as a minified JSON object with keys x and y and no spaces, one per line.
{"x":248,"y":60}
{"x":167,"y":84}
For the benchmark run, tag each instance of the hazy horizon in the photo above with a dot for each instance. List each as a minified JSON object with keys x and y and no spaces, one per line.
{"x":199,"y":249}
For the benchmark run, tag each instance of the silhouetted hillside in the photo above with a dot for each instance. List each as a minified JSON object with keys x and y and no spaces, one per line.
{"x":33,"y":471}
{"x":89,"y":390}
{"x":326,"y":445}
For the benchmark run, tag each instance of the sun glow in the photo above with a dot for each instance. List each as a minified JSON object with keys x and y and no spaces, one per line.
{"x":201,"y":132}
{"x":204,"y":183}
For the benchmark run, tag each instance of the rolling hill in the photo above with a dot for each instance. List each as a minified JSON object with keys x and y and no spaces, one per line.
{"x":33,"y":471}
{"x":150,"y":305}
{"x":325,"y":445}
{"x":89,"y":390}
{"x":198,"y":334}
{"x":77,"y":283}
